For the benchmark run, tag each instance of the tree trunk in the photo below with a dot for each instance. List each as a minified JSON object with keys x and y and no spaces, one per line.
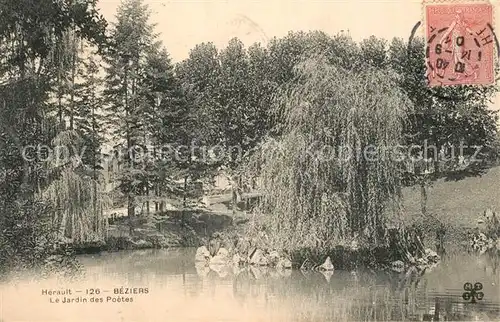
{"x":94,"y":171}
{"x":145,"y":160}
{"x":423,"y":197}
{"x":62,"y":226}
{"x":437,"y":162}
{"x":130,"y":199}
{"x":73,"y":73}
{"x":184,"y":202}
{"x":235,"y":193}
{"x":157,"y":194}
{"x":59,"y":100}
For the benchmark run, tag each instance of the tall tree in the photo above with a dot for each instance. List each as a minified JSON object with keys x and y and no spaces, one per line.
{"x":199,"y":76}
{"x":169,"y":125}
{"x":132,"y":38}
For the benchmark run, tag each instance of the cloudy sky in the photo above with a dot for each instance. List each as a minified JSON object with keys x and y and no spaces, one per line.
{"x":185,"y":23}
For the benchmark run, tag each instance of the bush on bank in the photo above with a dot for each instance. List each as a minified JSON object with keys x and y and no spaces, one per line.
{"x":28,"y":242}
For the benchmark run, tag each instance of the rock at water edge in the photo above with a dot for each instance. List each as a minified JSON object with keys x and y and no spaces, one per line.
{"x":141,"y":244}
{"x":222,"y":257}
{"x":220,"y":269}
{"x":202,"y":254}
{"x":327,"y":265}
{"x":284,"y":263}
{"x":258,"y":258}
{"x":237,"y":259}
{"x":273,"y":258}
{"x":431,"y":255}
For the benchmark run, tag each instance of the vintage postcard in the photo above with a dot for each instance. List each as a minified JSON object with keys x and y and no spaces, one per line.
{"x":240,"y":160}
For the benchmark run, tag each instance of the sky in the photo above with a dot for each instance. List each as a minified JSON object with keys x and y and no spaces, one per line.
{"x":184,"y":23}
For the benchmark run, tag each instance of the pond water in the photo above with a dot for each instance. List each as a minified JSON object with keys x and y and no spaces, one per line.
{"x":178,"y":290}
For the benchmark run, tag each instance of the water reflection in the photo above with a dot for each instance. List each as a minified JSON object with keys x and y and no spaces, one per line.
{"x":356,"y":295}
{"x":184,"y":291}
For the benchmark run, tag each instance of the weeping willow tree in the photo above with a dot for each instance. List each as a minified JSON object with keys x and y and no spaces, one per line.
{"x":77,"y":197}
{"x":333,"y":173}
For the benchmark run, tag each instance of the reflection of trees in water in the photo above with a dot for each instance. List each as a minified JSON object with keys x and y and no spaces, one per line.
{"x":360,"y":296}
{"x":242,"y":286}
{"x":450,"y":307}
{"x":492,"y":260}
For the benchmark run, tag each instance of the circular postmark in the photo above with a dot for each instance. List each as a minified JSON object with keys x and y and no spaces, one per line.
{"x":459,"y":44}
{"x":243,"y":27}
{"x":450,"y":61}
{"x":446,"y":60}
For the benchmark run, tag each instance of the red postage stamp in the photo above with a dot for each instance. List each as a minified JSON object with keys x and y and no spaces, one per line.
{"x":460,"y":43}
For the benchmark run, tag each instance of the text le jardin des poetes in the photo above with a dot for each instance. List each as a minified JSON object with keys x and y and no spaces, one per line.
{"x":94,"y":295}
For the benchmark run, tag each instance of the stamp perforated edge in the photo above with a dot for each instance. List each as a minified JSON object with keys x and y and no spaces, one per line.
{"x":494,"y":7}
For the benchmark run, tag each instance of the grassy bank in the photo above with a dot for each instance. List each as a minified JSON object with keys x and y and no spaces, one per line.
{"x":457,"y":205}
